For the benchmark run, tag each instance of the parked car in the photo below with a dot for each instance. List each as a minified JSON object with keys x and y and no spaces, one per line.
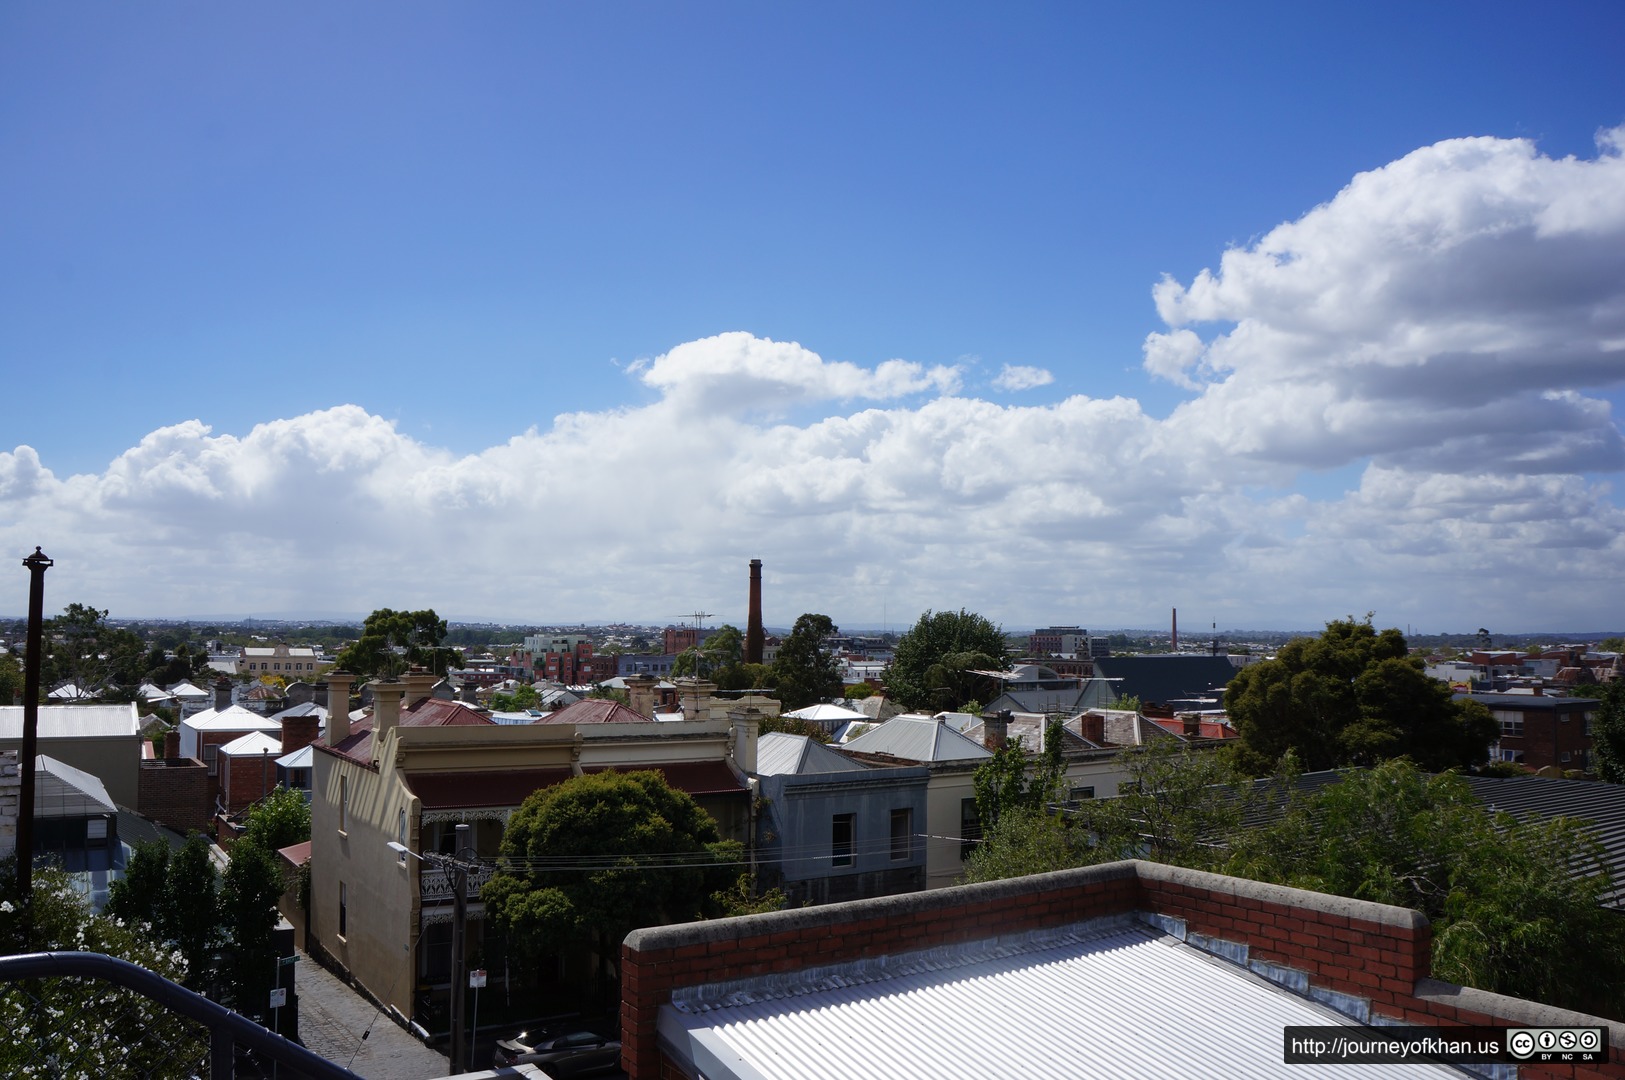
{"x":573,"y":1054}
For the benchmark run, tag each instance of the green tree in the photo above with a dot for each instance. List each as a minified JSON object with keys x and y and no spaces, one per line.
{"x":1516,"y":907}
{"x":252,"y":884}
{"x":189,"y":915}
{"x":419,"y":633}
{"x":279,"y":820}
{"x":1002,"y":785}
{"x":11,"y":679}
{"x":588,"y":860}
{"x":805,"y":673}
{"x":1608,"y":732}
{"x":64,"y":1027}
{"x":85,"y":651}
{"x":523,"y":697}
{"x":932,"y":662}
{"x":138,"y":896}
{"x":1352,"y":696}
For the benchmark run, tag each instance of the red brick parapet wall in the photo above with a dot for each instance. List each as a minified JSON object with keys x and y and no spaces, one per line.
{"x":1371,"y":953}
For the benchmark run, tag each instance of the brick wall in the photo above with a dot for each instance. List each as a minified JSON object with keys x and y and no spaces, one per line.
{"x":245,"y":779}
{"x":175,"y":792}
{"x":1376,"y":955}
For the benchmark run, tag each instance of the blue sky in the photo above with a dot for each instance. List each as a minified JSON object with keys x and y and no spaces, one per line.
{"x":465,"y":221}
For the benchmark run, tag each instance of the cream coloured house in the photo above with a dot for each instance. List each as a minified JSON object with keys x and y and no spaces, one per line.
{"x":417,"y":766}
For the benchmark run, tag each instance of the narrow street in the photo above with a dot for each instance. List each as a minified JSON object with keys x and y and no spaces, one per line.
{"x":332,"y":1018}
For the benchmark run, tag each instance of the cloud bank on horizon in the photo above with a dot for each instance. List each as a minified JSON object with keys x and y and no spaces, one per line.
{"x":1396,"y":402}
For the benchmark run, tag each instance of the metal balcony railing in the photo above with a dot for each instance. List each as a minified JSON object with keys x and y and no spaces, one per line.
{"x":438,"y":884}
{"x":77,"y":1014}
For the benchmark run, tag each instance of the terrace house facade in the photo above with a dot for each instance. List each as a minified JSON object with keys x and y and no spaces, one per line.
{"x":418,"y":766}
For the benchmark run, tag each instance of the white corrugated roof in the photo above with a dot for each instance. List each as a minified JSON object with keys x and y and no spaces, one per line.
{"x":827,"y":713}
{"x":254,"y":744}
{"x":778,"y":753}
{"x":73,"y":721}
{"x":1122,"y":1001}
{"x":298,"y":759}
{"x":918,"y":738}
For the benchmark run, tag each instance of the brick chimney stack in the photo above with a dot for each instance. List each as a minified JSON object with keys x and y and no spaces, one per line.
{"x":222,"y":694}
{"x":1093,"y":727}
{"x":386,"y":707}
{"x":299,"y":732}
{"x":172,"y":744}
{"x":640,"y":691}
{"x":338,"y":706}
{"x":755,"y":634}
{"x":419,"y":684}
{"x":996,"y":730}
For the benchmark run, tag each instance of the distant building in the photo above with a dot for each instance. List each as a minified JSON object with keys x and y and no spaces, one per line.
{"x":289,"y":661}
{"x":1538,"y":730}
{"x":1058,"y":641}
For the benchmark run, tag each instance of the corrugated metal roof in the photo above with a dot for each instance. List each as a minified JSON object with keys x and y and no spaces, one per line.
{"x":1125,"y":1001}
{"x":73,"y":721}
{"x":254,"y":744}
{"x":778,"y":753}
{"x":918,"y":738}
{"x":1601,"y":804}
{"x":60,"y":791}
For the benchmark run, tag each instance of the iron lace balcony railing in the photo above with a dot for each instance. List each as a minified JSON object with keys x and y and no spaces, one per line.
{"x":437,"y":884}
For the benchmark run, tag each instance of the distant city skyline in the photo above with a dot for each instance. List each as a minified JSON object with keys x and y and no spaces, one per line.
{"x":1057,"y":313}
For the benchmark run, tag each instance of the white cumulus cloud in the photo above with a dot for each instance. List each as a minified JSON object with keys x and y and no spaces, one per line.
{"x":1397,"y":401}
{"x":1022,"y":377}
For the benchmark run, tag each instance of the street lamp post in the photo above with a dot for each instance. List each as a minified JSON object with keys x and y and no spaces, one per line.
{"x":37,"y":564}
{"x":459,"y":865}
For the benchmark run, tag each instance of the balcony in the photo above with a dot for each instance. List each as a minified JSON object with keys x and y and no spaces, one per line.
{"x":437,"y":885}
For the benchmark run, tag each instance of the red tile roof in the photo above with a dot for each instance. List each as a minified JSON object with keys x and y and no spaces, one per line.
{"x":594,"y":711}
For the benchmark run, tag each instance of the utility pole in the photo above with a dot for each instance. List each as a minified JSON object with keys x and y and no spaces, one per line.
{"x":459,"y":931}
{"x":37,"y":564}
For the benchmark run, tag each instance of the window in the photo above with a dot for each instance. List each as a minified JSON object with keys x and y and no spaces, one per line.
{"x":1078,"y":794}
{"x":344,"y":909}
{"x":1511,"y":723}
{"x":1565,"y":755}
{"x":344,"y":804}
{"x":841,"y":840}
{"x":902,"y":833}
{"x":400,"y":833}
{"x":970,"y":828}
{"x":211,"y":758}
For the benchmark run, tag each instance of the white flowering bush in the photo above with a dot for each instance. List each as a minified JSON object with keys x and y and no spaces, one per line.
{"x":72,"y":1027}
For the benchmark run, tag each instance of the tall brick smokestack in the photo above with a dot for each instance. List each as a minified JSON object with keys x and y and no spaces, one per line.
{"x":755,"y":636}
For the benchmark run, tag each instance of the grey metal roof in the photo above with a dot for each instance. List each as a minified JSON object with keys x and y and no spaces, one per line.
{"x":1121,"y":1001}
{"x":61,"y":791}
{"x":73,"y":721}
{"x":1547,"y":797}
{"x":1169,"y":677}
{"x":778,"y":753}
{"x":918,"y":738}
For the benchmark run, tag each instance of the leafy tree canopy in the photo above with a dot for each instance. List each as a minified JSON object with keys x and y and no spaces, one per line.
{"x":593,"y":858}
{"x":1352,"y":696}
{"x":1513,"y":907}
{"x":279,"y":820}
{"x":1002,"y":784}
{"x":804,"y":672}
{"x":148,"y":1041}
{"x":1608,"y":732}
{"x":84,"y":650}
{"x":932,"y":665}
{"x":419,"y":633}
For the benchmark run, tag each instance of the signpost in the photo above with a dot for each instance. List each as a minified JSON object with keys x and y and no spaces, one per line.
{"x":476,"y":979}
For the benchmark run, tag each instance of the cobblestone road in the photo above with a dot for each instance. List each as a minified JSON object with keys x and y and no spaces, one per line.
{"x":332,"y":1017}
